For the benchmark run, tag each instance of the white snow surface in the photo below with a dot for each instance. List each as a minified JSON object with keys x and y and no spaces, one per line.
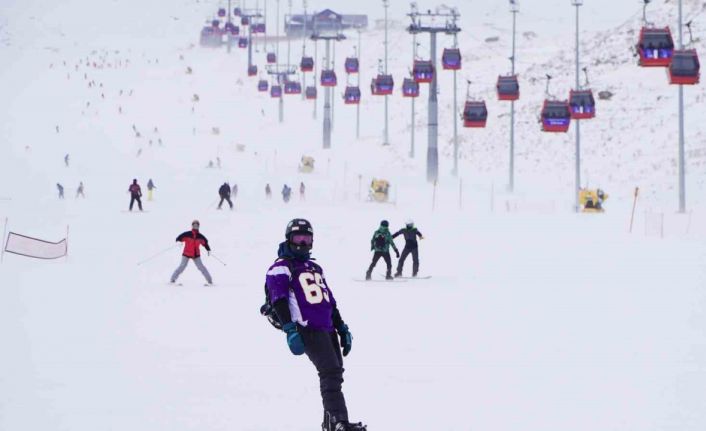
{"x":535,"y":318}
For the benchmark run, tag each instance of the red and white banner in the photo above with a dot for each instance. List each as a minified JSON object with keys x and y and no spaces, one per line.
{"x":36,"y":248}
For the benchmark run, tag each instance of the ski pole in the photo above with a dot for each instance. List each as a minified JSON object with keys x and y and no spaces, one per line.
{"x":157,"y":255}
{"x":215,"y":257}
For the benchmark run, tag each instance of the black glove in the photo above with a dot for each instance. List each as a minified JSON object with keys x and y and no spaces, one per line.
{"x":346,"y":338}
{"x":397,"y":254}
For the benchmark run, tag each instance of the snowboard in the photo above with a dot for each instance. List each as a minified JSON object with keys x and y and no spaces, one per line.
{"x":377,"y":280}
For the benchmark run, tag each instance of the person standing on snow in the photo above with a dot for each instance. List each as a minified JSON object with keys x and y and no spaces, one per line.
{"x":303,"y":306}
{"x":268,"y":191}
{"x":135,"y":194}
{"x":380,"y":244}
{"x":150,"y":187}
{"x":61,"y":190}
{"x":410,"y":234}
{"x":286,"y":193}
{"x":192,"y":239}
{"x":79,"y":190}
{"x":302,"y":191}
{"x":224,"y":193}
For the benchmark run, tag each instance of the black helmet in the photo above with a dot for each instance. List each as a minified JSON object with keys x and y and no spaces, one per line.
{"x":384,"y":223}
{"x":297,"y":228}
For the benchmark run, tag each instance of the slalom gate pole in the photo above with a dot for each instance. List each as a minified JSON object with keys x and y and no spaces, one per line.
{"x":634,"y":203}
{"x":157,"y":254}
{"x":216,"y":257}
{"x":4,"y":232}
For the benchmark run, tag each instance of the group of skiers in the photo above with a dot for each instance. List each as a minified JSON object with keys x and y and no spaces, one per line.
{"x":381,"y":242}
{"x":79,"y":190}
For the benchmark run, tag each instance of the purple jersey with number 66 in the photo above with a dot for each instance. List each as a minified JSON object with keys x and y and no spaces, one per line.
{"x":311,"y":302}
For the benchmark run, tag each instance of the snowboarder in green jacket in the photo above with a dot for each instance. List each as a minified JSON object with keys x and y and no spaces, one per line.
{"x":380,"y":244}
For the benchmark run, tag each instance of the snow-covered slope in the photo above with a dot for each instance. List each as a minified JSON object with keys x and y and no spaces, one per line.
{"x":535,"y":317}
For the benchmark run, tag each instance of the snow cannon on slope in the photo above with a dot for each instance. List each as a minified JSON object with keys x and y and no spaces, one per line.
{"x":591,"y":200}
{"x":379,"y":190}
{"x":306,"y":165}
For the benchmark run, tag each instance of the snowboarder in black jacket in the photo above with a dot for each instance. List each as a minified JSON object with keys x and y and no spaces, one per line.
{"x":410,"y":234}
{"x":224,"y":193}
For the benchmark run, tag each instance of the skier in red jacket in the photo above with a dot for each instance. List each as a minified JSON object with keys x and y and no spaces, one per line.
{"x":135,"y":194}
{"x":193,"y":240}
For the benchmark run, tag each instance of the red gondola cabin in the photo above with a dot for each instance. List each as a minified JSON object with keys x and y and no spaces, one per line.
{"x":307,"y":64}
{"x":655,"y":47}
{"x":410,"y":88}
{"x":423,"y":71}
{"x":351,"y":95}
{"x":328,"y":78}
{"x":451,"y":59}
{"x":508,"y":88}
{"x":382,"y":85}
{"x":252,"y":70}
{"x":475,"y":114}
{"x":582,"y":104}
{"x":556,"y":116}
{"x":684,"y":68}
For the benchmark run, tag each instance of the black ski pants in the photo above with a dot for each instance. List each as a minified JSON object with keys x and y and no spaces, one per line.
{"x":134,"y":198}
{"x":414,"y":251}
{"x":225,"y":198}
{"x":324,"y":351}
{"x":386,"y":258}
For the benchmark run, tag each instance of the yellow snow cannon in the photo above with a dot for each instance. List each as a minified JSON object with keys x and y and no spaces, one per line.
{"x":379,"y":190}
{"x":591,"y":200}
{"x":306,"y":165}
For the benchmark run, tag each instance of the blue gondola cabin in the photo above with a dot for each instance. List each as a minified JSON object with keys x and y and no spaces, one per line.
{"x":382,"y":85}
{"x":410,"y":88}
{"x":351,"y":95}
{"x":351,"y":65}
{"x":423,"y":71}
{"x":451,"y":59}
{"x":307,"y":64}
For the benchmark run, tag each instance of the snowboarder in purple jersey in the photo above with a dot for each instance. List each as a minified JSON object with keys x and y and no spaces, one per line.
{"x":305,"y":309}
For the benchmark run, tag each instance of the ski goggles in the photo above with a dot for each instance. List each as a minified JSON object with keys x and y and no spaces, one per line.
{"x":195,"y":224}
{"x":302,"y":239}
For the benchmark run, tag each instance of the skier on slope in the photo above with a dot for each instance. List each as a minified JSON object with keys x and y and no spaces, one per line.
{"x":192,"y":240}
{"x":150,"y":188}
{"x":286,"y":193}
{"x":380,"y":244}
{"x":60,"y":188}
{"x":135,"y":194}
{"x":411,"y":246}
{"x":268,"y":191}
{"x":224,"y":193}
{"x":79,"y":190}
{"x":307,"y":312}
